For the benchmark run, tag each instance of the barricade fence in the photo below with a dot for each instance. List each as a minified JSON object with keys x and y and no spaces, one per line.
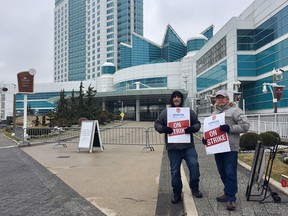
{"x":109,"y":135}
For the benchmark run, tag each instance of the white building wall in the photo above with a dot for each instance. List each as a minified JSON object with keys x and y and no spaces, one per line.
{"x":6,"y":100}
{"x":188,"y":74}
{"x":61,"y":42}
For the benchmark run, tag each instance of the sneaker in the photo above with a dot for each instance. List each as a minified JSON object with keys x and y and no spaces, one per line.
{"x":231,"y":206}
{"x":222,"y":198}
{"x":176,"y":199}
{"x":197,"y":194}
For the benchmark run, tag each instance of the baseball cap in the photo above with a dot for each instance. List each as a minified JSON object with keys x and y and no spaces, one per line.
{"x":222,"y":93}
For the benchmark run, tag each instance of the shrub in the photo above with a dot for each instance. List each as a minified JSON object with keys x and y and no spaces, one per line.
{"x":268,"y":139}
{"x":275,"y":134}
{"x":249,"y":140}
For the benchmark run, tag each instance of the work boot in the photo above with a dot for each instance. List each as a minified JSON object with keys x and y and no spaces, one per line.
{"x":197,"y":194}
{"x":222,"y":198}
{"x":231,"y":206}
{"x":176,"y":198}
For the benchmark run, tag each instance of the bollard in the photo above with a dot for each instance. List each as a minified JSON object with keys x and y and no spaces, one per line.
{"x":284,"y":183}
{"x":284,"y":180}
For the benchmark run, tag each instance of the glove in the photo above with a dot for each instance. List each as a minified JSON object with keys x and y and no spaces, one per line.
{"x":225,"y":128}
{"x":168,"y":130}
{"x":189,"y":130}
{"x":204,"y":141}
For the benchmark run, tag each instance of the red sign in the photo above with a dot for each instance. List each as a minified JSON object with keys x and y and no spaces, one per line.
{"x":215,"y":136}
{"x":178,"y":127}
{"x":25,"y":82}
{"x":278,"y":91}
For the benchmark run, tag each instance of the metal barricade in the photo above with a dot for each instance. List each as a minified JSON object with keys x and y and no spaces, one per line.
{"x":109,"y":135}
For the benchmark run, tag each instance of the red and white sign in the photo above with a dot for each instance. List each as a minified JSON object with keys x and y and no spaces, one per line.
{"x":178,"y":118}
{"x":217,"y":140}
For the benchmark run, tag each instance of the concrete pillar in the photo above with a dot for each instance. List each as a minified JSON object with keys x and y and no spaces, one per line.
{"x":137,"y":110}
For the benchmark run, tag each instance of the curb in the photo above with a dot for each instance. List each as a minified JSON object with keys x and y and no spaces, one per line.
{"x":273,"y":182}
{"x":188,"y":201}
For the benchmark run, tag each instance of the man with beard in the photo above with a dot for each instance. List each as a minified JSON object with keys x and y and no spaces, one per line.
{"x":181,"y":151}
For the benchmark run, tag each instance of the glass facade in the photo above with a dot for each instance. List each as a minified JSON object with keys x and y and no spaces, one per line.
{"x":77,"y":40}
{"x":143,"y":51}
{"x":108,"y":70}
{"x":276,"y":56}
{"x":157,"y":82}
{"x":128,"y":10}
{"x":173,"y":48}
{"x":273,"y":28}
{"x":37,"y":101}
{"x":195,"y":44}
{"x":88,"y":34}
{"x":255,"y":99}
{"x":209,"y":32}
{"x":126,"y":56}
{"x":215,"y":54}
{"x":212,"y":77}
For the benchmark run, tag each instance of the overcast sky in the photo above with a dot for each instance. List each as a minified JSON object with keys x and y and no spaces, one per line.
{"x":26,"y":29}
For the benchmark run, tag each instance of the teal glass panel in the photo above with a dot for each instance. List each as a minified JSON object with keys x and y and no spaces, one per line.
{"x":77,"y":40}
{"x":157,"y":82}
{"x":212,"y":77}
{"x":271,"y":29}
{"x":173,"y":47}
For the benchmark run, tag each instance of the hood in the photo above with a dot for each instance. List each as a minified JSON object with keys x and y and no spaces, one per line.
{"x":174,"y":94}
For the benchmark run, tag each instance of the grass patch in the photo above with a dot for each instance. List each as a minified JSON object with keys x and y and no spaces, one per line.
{"x":278,"y":167}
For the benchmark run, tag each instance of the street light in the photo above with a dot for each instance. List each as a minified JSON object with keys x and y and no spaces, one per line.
{"x":277,"y":90}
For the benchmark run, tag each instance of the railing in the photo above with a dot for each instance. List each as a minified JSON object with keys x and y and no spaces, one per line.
{"x":277,"y":122}
{"x":109,"y":135}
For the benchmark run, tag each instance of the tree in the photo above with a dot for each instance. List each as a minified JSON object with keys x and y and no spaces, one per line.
{"x":90,"y":102}
{"x":43,"y":120}
{"x":37,"y":121}
{"x":81,"y":105}
{"x":62,"y":109}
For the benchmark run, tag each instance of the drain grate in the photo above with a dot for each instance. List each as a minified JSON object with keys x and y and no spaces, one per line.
{"x":63,"y":156}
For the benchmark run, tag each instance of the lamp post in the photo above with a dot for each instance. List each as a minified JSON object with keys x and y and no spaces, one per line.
{"x":277,"y":90}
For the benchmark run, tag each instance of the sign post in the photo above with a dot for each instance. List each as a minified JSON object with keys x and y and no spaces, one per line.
{"x":26,"y":86}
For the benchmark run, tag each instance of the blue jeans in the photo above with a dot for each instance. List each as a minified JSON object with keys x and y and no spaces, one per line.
{"x":191,"y":158}
{"x":227,"y":167}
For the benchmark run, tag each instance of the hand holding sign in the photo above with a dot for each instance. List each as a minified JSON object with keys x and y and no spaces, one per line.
{"x":178,"y":118}
{"x":217,"y":139}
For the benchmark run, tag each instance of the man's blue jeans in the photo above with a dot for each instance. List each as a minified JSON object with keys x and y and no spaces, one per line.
{"x":227,"y":167}
{"x":191,"y":158}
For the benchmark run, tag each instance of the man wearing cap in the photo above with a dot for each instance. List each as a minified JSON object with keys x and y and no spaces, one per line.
{"x":179,"y":151}
{"x":235,"y":124}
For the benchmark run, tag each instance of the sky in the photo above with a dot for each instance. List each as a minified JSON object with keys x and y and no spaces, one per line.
{"x":26,"y":29}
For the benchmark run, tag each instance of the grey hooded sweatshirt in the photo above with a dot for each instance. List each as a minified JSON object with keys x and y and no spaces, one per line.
{"x":161,"y":123}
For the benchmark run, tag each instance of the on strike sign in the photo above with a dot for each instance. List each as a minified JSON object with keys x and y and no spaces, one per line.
{"x":178,"y":118}
{"x":217,"y":140}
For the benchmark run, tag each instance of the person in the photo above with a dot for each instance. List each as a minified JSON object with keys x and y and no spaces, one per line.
{"x":179,"y":151}
{"x":235,"y":124}
{"x":122,"y":114}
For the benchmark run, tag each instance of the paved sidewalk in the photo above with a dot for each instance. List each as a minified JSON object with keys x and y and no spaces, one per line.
{"x":121,"y":180}
{"x":211,"y":187}
{"x":27,"y":188}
